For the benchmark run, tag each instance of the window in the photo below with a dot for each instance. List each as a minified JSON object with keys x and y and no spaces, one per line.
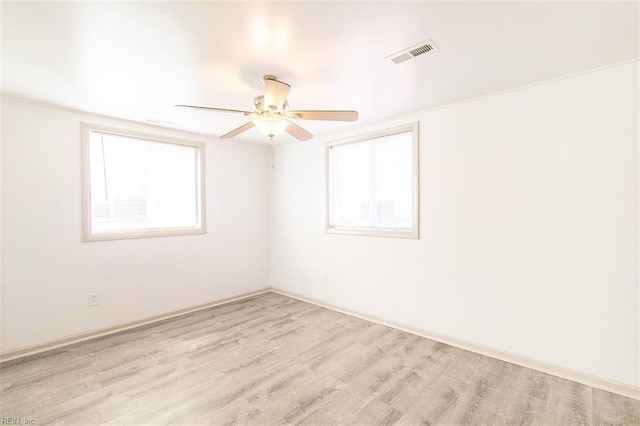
{"x":372,"y":184}
{"x":137,"y":185}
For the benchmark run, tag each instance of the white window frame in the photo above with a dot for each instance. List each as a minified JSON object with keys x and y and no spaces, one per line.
{"x":88,"y":235}
{"x":376,"y":232}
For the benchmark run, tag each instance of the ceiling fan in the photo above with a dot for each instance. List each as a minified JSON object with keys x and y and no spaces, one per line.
{"x":272,"y":116}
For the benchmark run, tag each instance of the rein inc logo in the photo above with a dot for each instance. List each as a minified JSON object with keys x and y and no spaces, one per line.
{"x":6,"y":420}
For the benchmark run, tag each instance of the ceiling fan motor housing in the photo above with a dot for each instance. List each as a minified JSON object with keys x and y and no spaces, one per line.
{"x":258,"y":104}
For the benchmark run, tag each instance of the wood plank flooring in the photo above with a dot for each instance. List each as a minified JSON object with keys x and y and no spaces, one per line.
{"x":275,"y":360}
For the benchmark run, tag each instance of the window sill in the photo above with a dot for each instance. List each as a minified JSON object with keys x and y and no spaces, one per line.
{"x":413,"y":234}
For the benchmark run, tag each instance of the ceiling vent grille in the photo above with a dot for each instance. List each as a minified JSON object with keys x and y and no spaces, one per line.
{"x":412,"y":52}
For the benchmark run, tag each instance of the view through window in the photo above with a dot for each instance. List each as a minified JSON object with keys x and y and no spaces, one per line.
{"x":141,"y":186}
{"x":372,"y":184}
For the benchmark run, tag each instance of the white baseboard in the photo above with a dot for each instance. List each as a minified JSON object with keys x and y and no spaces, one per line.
{"x":566,"y":373}
{"x":81,"y":337}
{"x":534,"y":364}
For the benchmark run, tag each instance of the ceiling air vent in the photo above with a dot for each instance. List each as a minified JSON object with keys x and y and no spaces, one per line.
{"x":412,"y":52}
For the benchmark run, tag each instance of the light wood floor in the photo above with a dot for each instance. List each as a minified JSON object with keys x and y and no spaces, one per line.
{"x":275,"y":360}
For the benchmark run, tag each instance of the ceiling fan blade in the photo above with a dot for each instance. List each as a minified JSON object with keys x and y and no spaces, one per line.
{"x":237,"y":111}
{"x":236,"y":132}
{"x":275,"y":92}
{"x":324,"y":115}
{"x":298,"y":132}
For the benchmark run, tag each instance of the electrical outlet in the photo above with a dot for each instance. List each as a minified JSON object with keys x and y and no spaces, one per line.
{"x":93,"y":299}
{"x":324,"y":278}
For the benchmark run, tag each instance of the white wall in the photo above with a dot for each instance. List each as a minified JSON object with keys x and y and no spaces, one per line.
{"x":1,"y":286}
{"x":529,"y":227}
{"x":48,"y":272}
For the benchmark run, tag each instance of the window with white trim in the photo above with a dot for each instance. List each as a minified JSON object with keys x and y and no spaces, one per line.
{"x":139,"y":185}
{"x":372,"y":184}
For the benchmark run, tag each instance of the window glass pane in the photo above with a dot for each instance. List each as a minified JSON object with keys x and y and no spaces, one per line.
{"x":141,"y":185}
{"x":371,"y":184}
{"x":394,"y":181}
{"x":352,"y":185}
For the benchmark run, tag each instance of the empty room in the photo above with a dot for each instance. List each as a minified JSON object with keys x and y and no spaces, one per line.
{"x":336,"y":213}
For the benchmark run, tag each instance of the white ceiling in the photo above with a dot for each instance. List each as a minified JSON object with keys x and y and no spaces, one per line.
{"x":135,"y":60}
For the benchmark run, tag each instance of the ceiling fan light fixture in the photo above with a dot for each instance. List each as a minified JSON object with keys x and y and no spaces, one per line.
{"x":271,"y":126}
